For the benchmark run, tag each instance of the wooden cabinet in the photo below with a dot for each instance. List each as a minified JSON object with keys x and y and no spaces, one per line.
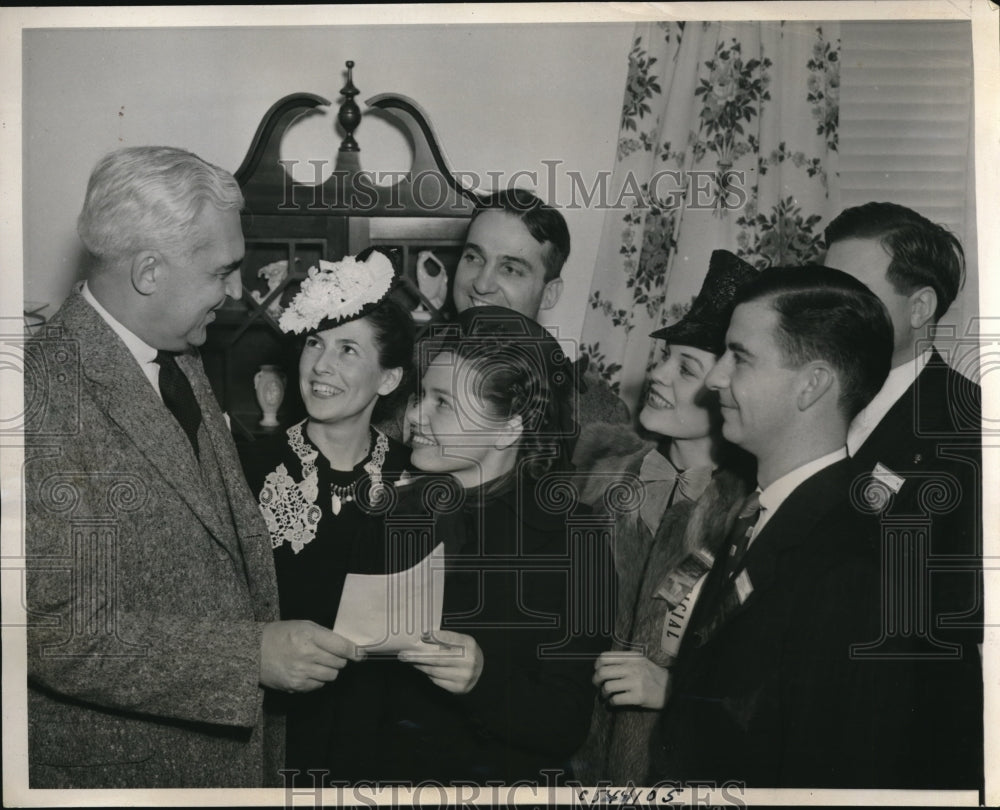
{"x":290,"y":226}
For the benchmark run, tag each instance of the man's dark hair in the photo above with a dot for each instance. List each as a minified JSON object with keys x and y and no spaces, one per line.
{"x":825,"y":314}
{"x":923,"y":253}
{"x":543,"y":222}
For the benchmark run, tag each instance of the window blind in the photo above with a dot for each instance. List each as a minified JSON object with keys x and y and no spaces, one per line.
{"x":906,"y":125}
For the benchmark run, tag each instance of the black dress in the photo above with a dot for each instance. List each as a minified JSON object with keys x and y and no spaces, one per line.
{"x":530,"y":579}
{"x":324,"y":524}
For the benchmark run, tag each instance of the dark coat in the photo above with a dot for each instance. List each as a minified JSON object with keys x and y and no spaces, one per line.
{"x":522,"y":564}
{"x":931,"y":439}
{"x":768,"y":692}
{"x":149,"y":579}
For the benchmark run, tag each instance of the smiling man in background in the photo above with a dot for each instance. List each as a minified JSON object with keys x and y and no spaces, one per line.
{"x":514,"y":253}
{"x":513,"y":257}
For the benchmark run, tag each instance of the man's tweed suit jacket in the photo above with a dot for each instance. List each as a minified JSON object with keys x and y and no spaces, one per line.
{"x":149,"y":578}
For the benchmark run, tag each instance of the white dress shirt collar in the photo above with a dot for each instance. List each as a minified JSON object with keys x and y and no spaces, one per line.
{"x":772,"y":496}
{"x":899,"y":380}
{"x":144,"y":354}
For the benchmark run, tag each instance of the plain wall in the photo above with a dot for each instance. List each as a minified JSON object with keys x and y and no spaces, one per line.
{"x":501,"y":98}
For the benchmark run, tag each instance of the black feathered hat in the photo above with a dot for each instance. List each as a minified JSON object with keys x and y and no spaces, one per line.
{"x":704,"y":326}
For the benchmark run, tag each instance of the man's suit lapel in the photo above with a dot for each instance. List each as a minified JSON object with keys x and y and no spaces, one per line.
{"x":122,"y":390}
{"x":949,"y":405}
{"x":793,"y":524}
{"x":887,"y":441}
{"x":806,"y":506}
{"x":251,"y":531}
{"x":933,"y":399}
{"x":927,"y":401}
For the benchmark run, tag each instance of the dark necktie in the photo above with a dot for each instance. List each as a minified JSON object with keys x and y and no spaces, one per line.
{"x":719,"y":599}
{"x":178,"y":396}
{"x":742,"y":531}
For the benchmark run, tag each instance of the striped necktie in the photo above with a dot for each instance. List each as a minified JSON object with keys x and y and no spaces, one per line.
{"x":742,"y":532}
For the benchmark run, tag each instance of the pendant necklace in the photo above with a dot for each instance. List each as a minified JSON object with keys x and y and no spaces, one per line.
{"x":339,"y":495}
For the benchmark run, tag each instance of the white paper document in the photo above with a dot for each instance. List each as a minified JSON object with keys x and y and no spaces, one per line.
{"x":390,"y":612}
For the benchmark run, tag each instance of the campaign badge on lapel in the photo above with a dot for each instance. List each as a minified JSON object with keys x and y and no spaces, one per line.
{"x":884,"y":475}
{"x":743,"y":586}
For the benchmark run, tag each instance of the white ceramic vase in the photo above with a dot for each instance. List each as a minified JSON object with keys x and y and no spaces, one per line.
{"x":269,"y":384}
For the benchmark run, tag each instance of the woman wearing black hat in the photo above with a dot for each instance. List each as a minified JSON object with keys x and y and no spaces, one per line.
{"x":321,"y":483}
{"x":504,"y":690}
{"x":686,"y":486}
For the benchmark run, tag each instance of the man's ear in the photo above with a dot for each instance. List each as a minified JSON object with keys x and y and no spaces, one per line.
{"x":510,"y":433}
{"x":923,"y":305}
{"x":391,"y":378}
{"x":817,"y":378}
{"x":550,"y":293}
{"x":146,"y":268}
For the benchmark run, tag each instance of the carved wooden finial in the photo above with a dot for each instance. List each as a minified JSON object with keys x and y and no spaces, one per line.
{"x":349,"y":115}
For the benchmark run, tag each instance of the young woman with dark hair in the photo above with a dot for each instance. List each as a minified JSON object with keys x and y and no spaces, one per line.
{"x":683,"y":486}
{"x":502,"y":693}
{"x":323,"y":484}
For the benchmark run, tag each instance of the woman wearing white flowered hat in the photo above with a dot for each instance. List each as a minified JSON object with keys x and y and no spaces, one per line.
{"x":324,"y":484}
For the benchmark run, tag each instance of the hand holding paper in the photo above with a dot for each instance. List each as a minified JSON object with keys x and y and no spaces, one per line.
{"x":453,"y":661}
{"x":300,"y":656}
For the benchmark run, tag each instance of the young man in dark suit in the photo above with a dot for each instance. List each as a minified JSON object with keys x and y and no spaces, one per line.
{"x":920,"y":435}
{"x":151,"y":594}
{"x":779,"y":682}
{"x":920,"y":441}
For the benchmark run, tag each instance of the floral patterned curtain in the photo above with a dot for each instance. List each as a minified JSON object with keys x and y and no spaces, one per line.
{"x":728,"y":139}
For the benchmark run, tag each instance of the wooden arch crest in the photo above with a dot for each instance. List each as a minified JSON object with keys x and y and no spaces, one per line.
{"x":429,"y":189}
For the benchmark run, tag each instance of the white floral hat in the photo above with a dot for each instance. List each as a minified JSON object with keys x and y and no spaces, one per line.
{"x":337,"y":292}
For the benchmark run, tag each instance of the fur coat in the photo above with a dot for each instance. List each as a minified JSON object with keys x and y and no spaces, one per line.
{"x":611,"y":458}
